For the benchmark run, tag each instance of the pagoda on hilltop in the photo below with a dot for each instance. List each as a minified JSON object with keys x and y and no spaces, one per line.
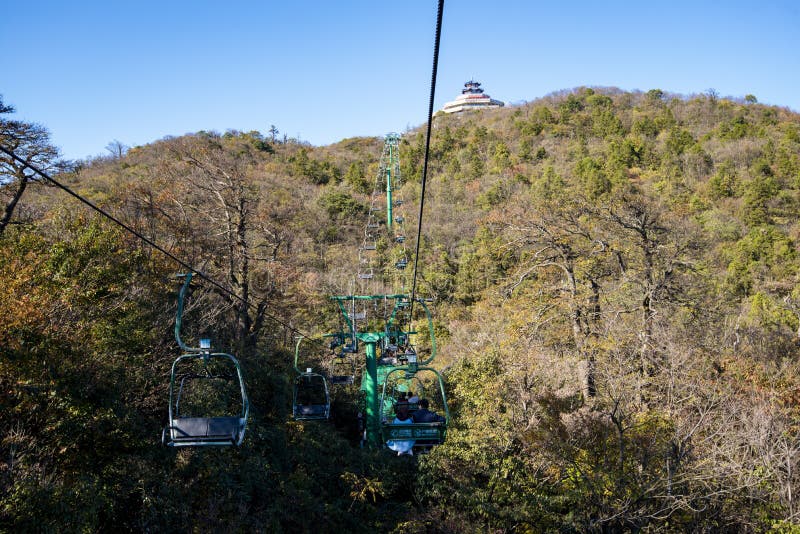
{"x":471,"y":97}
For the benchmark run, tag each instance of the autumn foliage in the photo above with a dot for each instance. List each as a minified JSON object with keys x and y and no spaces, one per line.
{"x":616,"y":298}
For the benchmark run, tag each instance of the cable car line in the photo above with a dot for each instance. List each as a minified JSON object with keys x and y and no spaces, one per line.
{"x":146,"y":239}
{"x":427,"y":148}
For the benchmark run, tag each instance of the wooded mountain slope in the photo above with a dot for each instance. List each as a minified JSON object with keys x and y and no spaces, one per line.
{"x":617,"y":301}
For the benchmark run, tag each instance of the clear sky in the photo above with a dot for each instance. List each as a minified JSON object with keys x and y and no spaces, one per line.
{"x":93,"y":72}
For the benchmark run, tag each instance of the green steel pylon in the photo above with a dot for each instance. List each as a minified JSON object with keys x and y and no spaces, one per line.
{"x":390,"y":163}
{"x":376,"y":263}
{"x":372,"y":338}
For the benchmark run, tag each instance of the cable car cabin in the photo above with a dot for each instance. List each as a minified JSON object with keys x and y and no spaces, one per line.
{"x":208,"y":403}
{"x":311,"y":400}
{"x":428,"y":417}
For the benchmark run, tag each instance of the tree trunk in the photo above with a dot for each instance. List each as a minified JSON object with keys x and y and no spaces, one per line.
{"x":8,"y":212}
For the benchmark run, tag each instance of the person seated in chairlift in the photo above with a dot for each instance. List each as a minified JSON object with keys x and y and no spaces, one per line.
{"x":412,"y":398}
{"x":402,"y":447}
{"x":423,"y":415}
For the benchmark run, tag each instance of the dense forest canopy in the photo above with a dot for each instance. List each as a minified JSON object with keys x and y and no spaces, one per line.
{"x":616,"y":297}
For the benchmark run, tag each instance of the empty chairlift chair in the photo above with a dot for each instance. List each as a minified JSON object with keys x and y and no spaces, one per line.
{"x":343,"y":367}
{"x":310,"y":400}
{"x":208,"y":404}
{"x":195,"y":421}
{"x":343,"y":371}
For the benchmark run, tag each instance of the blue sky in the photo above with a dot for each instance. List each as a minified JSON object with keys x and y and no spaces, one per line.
{"x":93,"y":72}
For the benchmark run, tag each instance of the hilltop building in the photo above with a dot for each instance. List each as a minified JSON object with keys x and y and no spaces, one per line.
{"x":471,"y":97}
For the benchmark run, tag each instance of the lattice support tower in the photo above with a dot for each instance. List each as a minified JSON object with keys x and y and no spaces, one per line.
{"x":382,"y":269}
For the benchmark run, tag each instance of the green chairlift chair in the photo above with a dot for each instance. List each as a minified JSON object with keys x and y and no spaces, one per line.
{"x":208,"y":404}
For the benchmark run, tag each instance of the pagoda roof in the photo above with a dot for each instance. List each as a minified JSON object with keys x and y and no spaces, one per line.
{"x":471,"y":97}
{"x":472,"y":87}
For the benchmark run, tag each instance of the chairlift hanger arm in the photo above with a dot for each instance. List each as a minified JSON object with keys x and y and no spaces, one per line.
{"x":179,"y":316}
{"x":350,"y":327}
{"x":296,"y":354}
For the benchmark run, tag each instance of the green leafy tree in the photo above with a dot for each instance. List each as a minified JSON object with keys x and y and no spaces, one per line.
{"x":357,"y":178}
{"x":724,"y":183}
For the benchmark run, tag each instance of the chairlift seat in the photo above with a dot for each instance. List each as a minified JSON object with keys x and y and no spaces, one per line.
{"x":311,"y":411}
{"x":342,"y":380}
{"x":190,"y":431}
{"x":424,"y":433}
{"x":365,"y":276}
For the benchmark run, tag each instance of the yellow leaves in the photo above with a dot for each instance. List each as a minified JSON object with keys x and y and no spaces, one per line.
{"x":22,"y":301}
{"x":772,"y":311}
{"x":363,"y":489}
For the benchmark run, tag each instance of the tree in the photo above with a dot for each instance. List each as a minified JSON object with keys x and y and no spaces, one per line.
{"x":117,"y":148}
{"x":30,"y":143}
{"x":559,"y":245}
{"x":214,"y":190}
{"x":273,"y":131}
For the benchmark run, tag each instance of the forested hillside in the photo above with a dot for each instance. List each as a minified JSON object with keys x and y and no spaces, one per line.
{"x":616,"y":295}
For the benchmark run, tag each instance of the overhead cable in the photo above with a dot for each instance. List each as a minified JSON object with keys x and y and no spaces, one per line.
{"x":427,"y":149}
{"x":144,"y":238}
